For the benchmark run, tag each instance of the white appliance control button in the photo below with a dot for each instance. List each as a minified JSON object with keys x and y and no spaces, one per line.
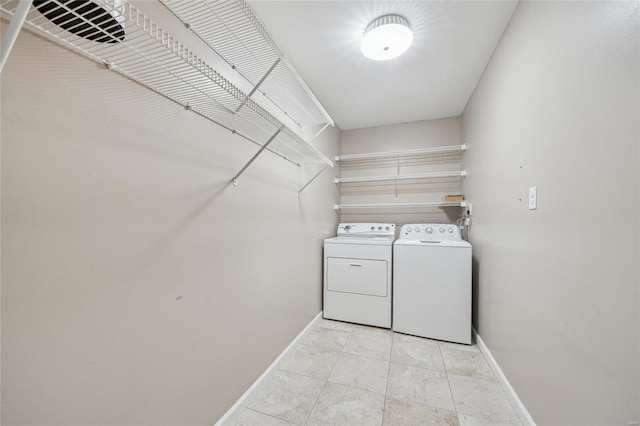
{"x":379,"y":228}
{"x":451,"y":230}
{"x":386,"y":229}
{"x":417,"y":229}
{"x":441,"y":230}
{"x":429,"y":230}
{"x":373,"y":228}
{"x":409,"y":229}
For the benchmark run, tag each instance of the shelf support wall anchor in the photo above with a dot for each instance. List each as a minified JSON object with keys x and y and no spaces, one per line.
{"x":262,"y":148}
{"x":264,"y":77}
{"x":14,"y":29}
{"x":312,"y":179}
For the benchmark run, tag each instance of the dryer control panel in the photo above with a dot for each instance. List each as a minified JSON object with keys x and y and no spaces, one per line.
{"x":430,"y":232}
{"x":367,"y":230}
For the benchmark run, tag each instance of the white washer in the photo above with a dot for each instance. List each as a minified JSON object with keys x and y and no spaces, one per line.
{"x":357,"y":274}
{"x":432,"y":283}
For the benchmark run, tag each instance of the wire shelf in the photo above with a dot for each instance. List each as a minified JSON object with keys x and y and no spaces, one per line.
{"x":427,"y":204}
{"x":121,"y":36}
{"x":432,"y":175}
{"x":235,"y":33}
{"x":440,"y":150}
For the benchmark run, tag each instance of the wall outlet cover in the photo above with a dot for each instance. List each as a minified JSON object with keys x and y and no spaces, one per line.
{"x":533,"y":198}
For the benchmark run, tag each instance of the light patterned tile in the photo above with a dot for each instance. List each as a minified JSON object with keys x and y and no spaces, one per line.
{"x":417,"y":352}
{"x":361,"y":372}
{"x":287,"y":396}
{"x":326,"y":338}
{"x":419,"y":385}
{"x":404,"y":413}
{"x":373,"y":344}
{"x":459,"y":346}
{"x":466,"y":363}
{"x":253,"y":418}
{"x":481,"y":398}
{"x":349,"y":326}
{"x":344,"y":405}
{"x":335,"y":325}
{"x":467,"y":420}
{"x":372,"y":330}
{"x":311,"y":361}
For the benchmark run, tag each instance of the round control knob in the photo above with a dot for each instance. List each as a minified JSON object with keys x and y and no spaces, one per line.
{"x":441,"y":230}
{"x":417,"y":229}
{"x":386,"y":229}
{"x":373,"y":228}
{"x":409,"y":229}
{"x":429,"y":230}
{"x":379,"y":228}
{"x":348,"y":227}
{"x":451,"y":230}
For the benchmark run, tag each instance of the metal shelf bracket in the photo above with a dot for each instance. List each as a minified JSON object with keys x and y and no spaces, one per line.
{"x":257,"y":86}
{"x":14,"y":29}
{"x":312,"y":179}
{"x":257,"y":154}
{"x":320,"y":131}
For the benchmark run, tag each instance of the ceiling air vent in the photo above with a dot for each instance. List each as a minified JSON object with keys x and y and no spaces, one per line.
{"x":96,"y":22}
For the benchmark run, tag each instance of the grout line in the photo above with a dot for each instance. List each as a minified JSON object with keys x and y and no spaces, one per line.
{"x":422,"y":367}
{"x":496,"y":381}
{"x":270,"y":415}
{"x":324,"y":385}
{"x":446,"y":373}
{"x":386,"y":390}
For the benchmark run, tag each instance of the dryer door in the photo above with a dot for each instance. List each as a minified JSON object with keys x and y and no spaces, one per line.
{"x":358,"y":276}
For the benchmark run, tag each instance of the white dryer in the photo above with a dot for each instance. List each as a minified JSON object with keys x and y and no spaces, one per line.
{"x":432,"y":283}
{"x":357,"y":274}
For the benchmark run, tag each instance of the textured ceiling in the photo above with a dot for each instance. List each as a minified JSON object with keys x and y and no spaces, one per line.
{"x":453,"y":41}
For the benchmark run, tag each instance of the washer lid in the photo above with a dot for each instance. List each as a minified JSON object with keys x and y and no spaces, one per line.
{"x":432,"y":243}
{"x":430,"y":232}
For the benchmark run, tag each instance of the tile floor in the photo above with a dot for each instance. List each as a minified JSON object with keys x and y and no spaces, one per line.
{"x":347,"y":374}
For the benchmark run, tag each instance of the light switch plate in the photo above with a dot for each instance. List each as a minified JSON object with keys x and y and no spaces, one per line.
{"x":533,"y":198}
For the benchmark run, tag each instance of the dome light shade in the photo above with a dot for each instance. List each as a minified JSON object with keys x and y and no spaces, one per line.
{"x":386,"y":37}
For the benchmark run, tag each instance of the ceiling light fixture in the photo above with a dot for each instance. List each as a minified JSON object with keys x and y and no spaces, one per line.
{"x":386,"y":37}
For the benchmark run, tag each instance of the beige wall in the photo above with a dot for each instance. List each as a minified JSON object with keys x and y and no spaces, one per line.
{"x":557,"y":288}
{"x":138,"y":286}
{"x":414,"y":135}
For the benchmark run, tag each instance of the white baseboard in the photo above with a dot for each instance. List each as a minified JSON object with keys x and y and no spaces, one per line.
{"x":232,"y":414}
{"x":521,"y":410}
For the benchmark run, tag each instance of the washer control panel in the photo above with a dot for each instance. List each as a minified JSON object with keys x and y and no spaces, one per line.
{"x":430,"y":232}
{"x":367,"y":230}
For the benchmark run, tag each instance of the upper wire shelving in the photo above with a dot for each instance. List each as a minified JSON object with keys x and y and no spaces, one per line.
{"x":153,"y":57}
{"x":233,"y":31}
{"x":407,"y":155}
{"x":412,"y":176}
{"x":423,"y":152}
{"x":396,"y":205}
